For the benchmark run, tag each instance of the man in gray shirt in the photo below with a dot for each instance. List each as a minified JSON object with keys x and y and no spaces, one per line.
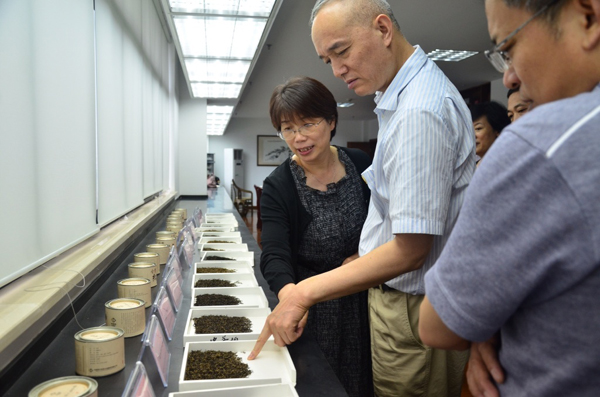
{"x":524,"y":256}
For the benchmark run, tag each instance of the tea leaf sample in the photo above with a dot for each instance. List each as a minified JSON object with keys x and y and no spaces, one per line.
{"x":216,"y":300}
{"x":214,"y":270}
{"x":212,"y":364}
{"x":211,"y":249}
{"x":215,"y":324}
{"x":217,"y":258}
{"x":214,"y":282}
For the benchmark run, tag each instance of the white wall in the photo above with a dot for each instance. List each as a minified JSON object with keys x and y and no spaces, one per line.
{"x":498,"y":91}
{"x":191,"y":180}
{"x":242,"y":134}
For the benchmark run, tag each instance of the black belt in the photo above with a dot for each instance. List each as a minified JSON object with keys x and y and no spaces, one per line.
{"x":385,"y":287}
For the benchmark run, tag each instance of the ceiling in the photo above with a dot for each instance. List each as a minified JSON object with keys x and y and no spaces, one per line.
{"x":433,"y":24}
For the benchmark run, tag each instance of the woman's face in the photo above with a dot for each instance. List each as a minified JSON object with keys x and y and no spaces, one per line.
{"x":312,"y":143}
{"x":484,"y":135}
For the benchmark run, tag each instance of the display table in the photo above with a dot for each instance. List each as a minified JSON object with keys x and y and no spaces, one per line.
{"x":314,"y":375}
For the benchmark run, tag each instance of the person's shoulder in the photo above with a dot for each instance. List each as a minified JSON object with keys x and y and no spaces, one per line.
{"x":547,"y":123}
{"x":279,"y":174}
{"x":357,"y":156}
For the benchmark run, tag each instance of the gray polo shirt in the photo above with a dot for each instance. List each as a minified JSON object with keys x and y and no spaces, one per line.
{"x":524,"y":256}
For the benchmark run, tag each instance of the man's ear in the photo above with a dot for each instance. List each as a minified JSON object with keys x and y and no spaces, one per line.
{"x":385,"y":27}
{"x":590,"y":10}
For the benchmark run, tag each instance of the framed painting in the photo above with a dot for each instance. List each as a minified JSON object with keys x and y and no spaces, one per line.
{"x":271,"y":150}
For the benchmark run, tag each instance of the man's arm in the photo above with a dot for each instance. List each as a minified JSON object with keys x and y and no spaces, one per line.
{"x":434,"y":333}
{"x":405,"y":253}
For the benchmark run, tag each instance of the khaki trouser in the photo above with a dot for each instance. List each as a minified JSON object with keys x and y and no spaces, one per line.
{"x":402,"y":365}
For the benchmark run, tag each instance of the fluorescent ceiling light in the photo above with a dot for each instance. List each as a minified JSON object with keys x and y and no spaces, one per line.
{"x":219,"y":37}
{"x":450,"y":55}
{"x":217,"y":70}
{"x":344,"y":104}
{"x":224,"y":7}
{"x":216,"y":90}
{"x":217,"y":118}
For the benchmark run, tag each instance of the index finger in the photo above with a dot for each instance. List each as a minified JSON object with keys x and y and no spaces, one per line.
{"x":260,"y":342}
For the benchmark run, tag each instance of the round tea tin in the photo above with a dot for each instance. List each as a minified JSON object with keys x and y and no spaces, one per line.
{"x":99,"y":351}
{"x":183,"y":212}
{"x":135,"y":287}
{"x":143,"y":270}
{"x":165,"y":233}
{"x":129,"y":314}
{"x":162,"y":250}
{"x":148,"y":257}
{"x":170,"y":241}
{"x":174,"y":227}
{"x":67,"y":386}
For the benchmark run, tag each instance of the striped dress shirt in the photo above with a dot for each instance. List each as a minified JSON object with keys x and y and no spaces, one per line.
{"x":424,"y":161}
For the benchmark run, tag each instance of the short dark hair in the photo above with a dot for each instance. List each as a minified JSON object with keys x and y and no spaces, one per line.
{"x":302,"y":98}
{"x":494,"y":112}
{"x":512,"y":91}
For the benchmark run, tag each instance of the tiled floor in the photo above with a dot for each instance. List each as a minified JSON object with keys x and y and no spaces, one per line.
{"x":251,"y":218}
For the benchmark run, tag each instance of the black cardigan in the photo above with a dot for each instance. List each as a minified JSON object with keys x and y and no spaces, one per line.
{"x":284,"y":221}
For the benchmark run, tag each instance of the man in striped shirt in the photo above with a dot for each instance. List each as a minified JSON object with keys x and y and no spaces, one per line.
{"x":422,"y":166}
{"x":523,"y":260}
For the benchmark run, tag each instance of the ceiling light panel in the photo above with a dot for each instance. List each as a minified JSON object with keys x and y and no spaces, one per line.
{"x":216,"y":90}
{"x":219,"y":37}
{"x":217,"y":118}
{"x":217,"y":70}
{"x":224,"y":7}
{"x":450,"y":55}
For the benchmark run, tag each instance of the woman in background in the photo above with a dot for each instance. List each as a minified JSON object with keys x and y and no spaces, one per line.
{"x":313,"y":207}
{"x":489,"y":119}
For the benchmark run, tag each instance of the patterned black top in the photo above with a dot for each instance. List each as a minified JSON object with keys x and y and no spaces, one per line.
{"x":338,"y":216}
{"x":340,"y":326}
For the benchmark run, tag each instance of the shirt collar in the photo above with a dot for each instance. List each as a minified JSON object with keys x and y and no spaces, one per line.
{"x":388,"y":99}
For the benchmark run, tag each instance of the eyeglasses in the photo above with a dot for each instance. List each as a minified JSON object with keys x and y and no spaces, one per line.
{"x":287,"y":133}
{"x":500,"y":59}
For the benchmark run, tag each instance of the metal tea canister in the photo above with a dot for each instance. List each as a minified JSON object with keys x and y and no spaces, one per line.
{"x":135,"y":287}
{"x":66,"y":386}
{"x":129,"y":314}
{"x":162,"y":250}
{"x":170,"y":241}
{"x":143,"y":270}
{"x":99,"y":351}
{"x":148,"y":257}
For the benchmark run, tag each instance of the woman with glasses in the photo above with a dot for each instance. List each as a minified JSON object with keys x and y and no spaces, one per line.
{"x":313,"y":207}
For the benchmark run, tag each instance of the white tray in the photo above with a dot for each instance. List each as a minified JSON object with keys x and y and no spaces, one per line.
{"x":273,"y":366}
{"x":220,"y":234}
{"x":243,"y":266}
{"x":280,"y":390}
{"x":220,"y":219}
{"x":242,"y":279}
{"x":237,"y":256}
{"x":230,"y":240}
{"x":219,"y":215}
{"x":224,"y":247}
{"x":203,"y":229}
{"x":257,"y":317}
{"x":250,"y":297}
{"x":225,"y":223}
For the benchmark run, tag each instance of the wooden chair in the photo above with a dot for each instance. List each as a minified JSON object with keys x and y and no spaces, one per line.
{"x":258,"y":194}
{"x":240,"y":198}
